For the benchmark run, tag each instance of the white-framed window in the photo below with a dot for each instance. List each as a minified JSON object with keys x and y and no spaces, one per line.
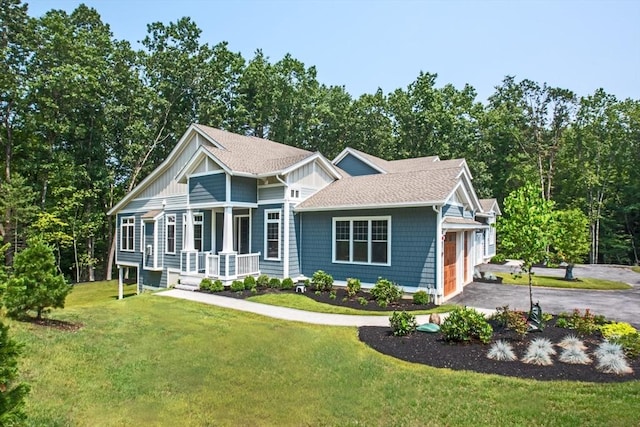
{"x":198,"y":229}
{"x":294,"y":193}
{"x":362,"y":240}
{"x":170,"y":246}
{"x":127,"y":233}
{"x":272,"y":234}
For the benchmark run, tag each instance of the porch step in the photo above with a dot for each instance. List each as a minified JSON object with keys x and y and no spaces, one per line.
{"x":186,"y":287}
{"x":189,"y":283}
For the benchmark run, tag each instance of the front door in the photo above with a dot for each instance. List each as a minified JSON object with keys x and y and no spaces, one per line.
{"x":449,"y":263}
{"x":241,"y":235}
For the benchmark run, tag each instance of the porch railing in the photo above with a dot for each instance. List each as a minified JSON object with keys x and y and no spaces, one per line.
{"x":212,"y":265}
{"x":247,"y":264}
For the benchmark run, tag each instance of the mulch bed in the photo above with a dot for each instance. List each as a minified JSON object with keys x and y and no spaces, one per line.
{"x":430,"y":349}
{"x":61,"y":325}
{"x":341,"y":299}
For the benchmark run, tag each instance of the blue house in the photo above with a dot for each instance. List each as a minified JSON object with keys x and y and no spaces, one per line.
{"x":226,"y":206}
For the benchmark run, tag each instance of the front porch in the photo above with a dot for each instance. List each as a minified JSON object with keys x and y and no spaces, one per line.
{"x":227,"y":266}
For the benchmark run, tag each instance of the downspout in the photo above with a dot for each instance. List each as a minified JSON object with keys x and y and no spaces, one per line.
{"x":285,"y":231}
{"x":439,"y":256}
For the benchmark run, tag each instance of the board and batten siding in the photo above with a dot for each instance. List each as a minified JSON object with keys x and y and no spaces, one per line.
{"x":244,"y":189}
{"x":144,"y":205}
{"x":270,"y":268}
{"x":355,"y":167}
{"x":294,"y":241}
{"x":310,"y":175}
{"x":207,"y":188}
{"x":413,"y":247}
{"x":165,"y":185}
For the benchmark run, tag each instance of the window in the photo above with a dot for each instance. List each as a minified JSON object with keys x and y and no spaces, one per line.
{"x":295,"y":194}
{"x":198,"y":222}
{"x":171,"y":234}
{"x":361,"y":240}
{"x":127,"y":232}
{"x":272,"y":234}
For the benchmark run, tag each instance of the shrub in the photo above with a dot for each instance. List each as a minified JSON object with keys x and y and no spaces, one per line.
{"x":617,"y":329}
{"x":237,"y":286}
{"x":206,"y":284}
{"x":584,"y":323}
{"x":498,"y":259}
{"x":12,"y":394}
{"x":574,"y":356}
{"x":217,"y":286}
{"x":539,"y":352}
{"x":253,"y":290}
{"x":421,"y":298}
{"x":571,"y":341}
{"x":630,"y":344}
{"x":35,"y":284}
{"x":353,"y":287}
{"x":513,"y":320}
{"x":465,"y":324}
{"x":607,"y":347}
{"x":262,"y":281}
{"x":287,"y":283}
{"x":249,"y":282}
{"x":501,"y":350}
{"x":274,"y":283}
{"x":363,"y":301}
{"x":614,"y":364}
{"x":386,"y":291}
{"x":402,"y":323}
{"x":322,"y":281}
{"x":332,"y":295}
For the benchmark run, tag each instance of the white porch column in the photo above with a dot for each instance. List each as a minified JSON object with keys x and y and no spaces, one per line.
{"x":120,"y":282}
{"x":227,"y":232}
{"x":188,"y":244}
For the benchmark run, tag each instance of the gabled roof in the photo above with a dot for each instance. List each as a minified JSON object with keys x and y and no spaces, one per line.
{"x":236,"y":155}
{"x":249,"y":154}
{"x":490,"y":205}
{"x":388,"y":166}
{"x":417,"y":188}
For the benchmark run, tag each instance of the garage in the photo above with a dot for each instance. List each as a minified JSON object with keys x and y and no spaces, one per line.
{"x":450,"y":251}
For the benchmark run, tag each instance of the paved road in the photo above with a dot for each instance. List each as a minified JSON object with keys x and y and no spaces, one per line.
{"x":619,"y":305}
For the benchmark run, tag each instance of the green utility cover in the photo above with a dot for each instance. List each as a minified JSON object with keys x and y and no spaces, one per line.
{"x":428,"y":327}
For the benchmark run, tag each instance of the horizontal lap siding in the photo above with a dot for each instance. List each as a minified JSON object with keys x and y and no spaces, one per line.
{"x":173,"y":260}
{"x":271,"y":268}
{"x":453,"y":211}
{"x":143,"y":205}
{"x":125,"y":256}
{"x":294,"y":232}
{"x":271,"y":193}
{"x":413,"y":236}
{"x":355,"y":167}
{"x":244,"y":189}
{"x":207,"y":188}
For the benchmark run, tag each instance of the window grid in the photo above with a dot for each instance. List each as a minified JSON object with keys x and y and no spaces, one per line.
{"x":272,"y":235}
{"x":362,"y":241}
{"x":171,"y":234}
{"x":127,"y":233}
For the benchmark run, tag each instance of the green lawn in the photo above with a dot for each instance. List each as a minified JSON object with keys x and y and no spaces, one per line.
{"x":557,"y":282}
{"x":151,"y":360}
{"x":302,"y":302}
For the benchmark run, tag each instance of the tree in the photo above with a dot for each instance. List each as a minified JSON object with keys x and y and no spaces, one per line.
{"x":525,"y":228}
{"x":35,"y":283}
{"x":11,"y":396}
{"x":570,"y":238}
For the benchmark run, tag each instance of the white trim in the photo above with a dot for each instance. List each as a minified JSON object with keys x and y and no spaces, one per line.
{"x":215,"y":172}
{"x":227,"y":181}
{"x":166,"y":235}
{"x":377,"y":206}
{"x":439,"y":285}
{"x":285,"y":236}
{"x":328,"y":166}
{"x":236,"y":229}
{"x":213,"y":231}
{"x":268,"y":221}
{"x":357,"y":155}
{"x":207,"y":206}
{"x":128,"y":224}
{"x":168,"y":161}
{"x":270,"y":202}
{"x":194,"y":160}
{"x":369,"y":220}
{"x":271,"y":185}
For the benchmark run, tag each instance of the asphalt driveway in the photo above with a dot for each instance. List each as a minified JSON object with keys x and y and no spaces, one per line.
{"x":621,"y":305}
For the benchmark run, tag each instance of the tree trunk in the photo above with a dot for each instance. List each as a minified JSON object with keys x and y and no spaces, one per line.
{"x":90,"y":255}
{"x":112,"y":253}
{"x":568,"y":272}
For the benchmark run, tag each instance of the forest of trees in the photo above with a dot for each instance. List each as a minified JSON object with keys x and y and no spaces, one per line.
{"x":84,"y":117}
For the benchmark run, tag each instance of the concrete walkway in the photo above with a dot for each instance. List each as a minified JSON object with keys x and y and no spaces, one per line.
{"x":292,"y":314}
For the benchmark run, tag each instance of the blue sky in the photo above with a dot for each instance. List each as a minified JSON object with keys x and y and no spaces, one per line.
{"x":363,"y":45}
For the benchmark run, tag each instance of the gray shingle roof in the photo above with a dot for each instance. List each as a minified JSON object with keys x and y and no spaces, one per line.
{"x":404,"y":165}
{"x":487,"y":204}
{"x":404,"y":188}
{"x":250,"y":154}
